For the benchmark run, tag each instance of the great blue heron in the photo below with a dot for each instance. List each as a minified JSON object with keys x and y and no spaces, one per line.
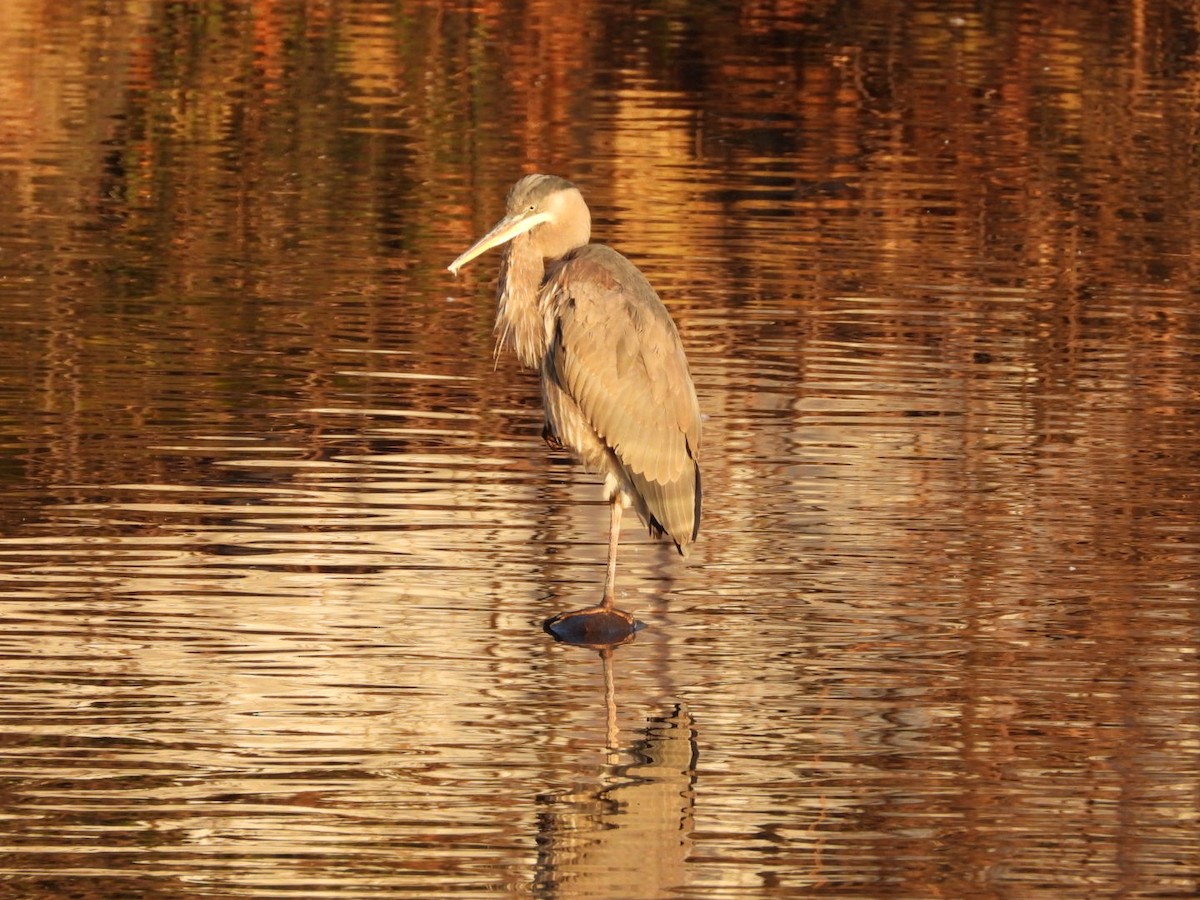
{"x":615,"y":381}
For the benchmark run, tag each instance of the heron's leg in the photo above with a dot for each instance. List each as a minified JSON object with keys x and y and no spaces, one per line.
{"x":614,"y":536}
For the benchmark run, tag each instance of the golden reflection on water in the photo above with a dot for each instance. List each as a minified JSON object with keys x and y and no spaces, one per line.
{"x":277,"y":535}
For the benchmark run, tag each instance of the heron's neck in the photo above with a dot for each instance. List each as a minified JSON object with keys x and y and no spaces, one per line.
{"x":520,"y":320}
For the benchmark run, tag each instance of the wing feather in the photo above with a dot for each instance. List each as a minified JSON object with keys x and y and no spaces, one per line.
{"x":617,"y":355}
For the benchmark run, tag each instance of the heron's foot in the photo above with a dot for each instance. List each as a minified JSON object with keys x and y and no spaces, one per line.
{"x":596,"y":626}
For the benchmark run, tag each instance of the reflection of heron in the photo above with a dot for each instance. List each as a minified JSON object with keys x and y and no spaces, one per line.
{"x":628,"y":832}
{"x":615,"y":381}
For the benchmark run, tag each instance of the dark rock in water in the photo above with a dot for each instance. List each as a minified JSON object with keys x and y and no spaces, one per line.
{"x":596,"y":626}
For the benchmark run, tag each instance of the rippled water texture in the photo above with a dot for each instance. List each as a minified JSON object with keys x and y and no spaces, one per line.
{"x":278,"y":534}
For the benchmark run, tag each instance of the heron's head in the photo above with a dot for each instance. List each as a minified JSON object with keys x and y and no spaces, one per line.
{"x":547,"y":208}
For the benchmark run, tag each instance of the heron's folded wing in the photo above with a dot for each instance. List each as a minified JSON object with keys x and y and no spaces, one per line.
{"x":615,"y":350}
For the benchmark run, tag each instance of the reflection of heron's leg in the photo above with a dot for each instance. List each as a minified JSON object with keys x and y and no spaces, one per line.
{"x":614,"y":536}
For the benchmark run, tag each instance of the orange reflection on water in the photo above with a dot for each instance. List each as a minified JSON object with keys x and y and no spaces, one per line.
{"x":279,"y":535}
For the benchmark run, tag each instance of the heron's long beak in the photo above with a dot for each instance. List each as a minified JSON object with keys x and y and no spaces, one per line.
{"x":505,"y":230}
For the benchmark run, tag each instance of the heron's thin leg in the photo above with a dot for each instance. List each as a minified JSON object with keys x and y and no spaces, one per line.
{"x":614,"y":537}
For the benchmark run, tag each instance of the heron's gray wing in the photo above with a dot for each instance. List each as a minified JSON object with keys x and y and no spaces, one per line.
{"x":615,"y":351}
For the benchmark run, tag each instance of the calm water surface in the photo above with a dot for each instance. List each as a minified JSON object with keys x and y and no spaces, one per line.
{"x":278,"y":535}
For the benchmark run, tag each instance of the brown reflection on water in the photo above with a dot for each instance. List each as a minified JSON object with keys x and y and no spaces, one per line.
{"x":277,"y":534}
